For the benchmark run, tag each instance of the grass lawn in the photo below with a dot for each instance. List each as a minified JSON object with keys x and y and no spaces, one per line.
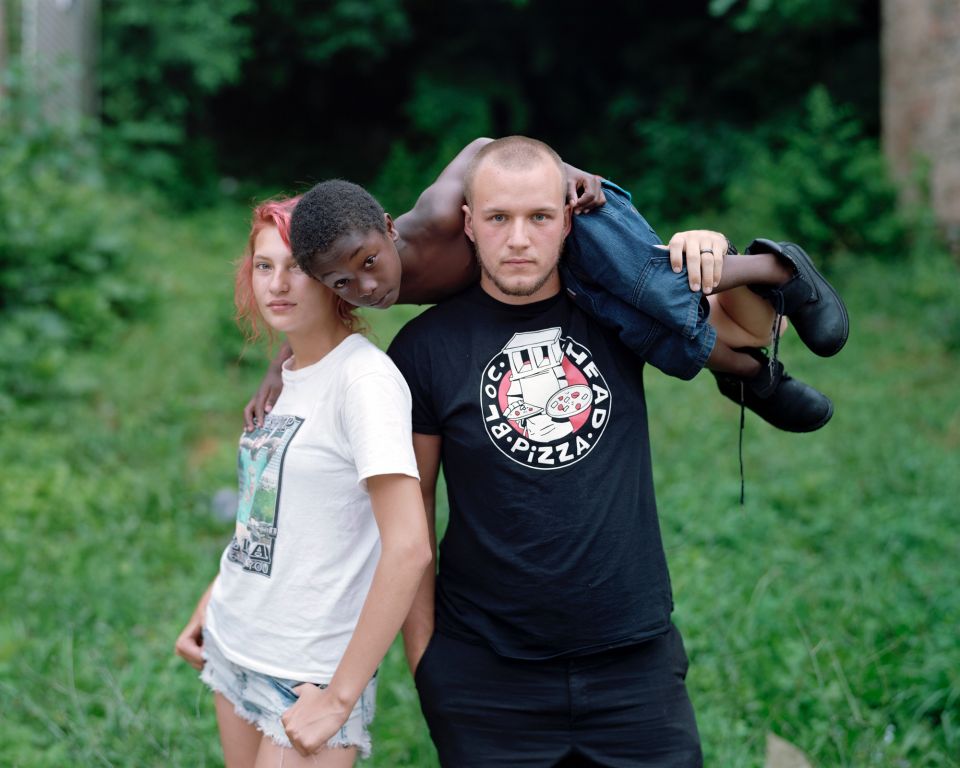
{"x":826,"y":609}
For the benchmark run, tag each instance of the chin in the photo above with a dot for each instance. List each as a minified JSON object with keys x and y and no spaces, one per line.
{"x":523,"y":288}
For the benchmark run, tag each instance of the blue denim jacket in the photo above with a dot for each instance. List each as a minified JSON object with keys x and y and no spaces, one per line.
{"x":613,"y":269}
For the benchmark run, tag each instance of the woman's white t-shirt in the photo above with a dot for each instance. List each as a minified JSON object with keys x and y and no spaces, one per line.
{"x":294,"y":578}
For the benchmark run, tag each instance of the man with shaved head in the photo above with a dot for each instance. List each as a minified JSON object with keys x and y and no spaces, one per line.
{"x":546,"y":637}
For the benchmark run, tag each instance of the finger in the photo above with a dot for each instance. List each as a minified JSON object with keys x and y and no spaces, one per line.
{"x":592,"y":193}
{"x":299,"y":745}
{"x":192,"y":655}
{"x":692,"y":252}
{"x":719,"y":254}
{"x":707,"y":259}
{"x":601,"y":197}
{"x":572,"y":194}
{"x":676,"y":253}
{"x":248,"y":415}
{"x":587,"y":199}
{"x":260,"y":409}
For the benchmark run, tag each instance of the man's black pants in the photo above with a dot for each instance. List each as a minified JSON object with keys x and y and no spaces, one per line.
{"x":619,"y":708}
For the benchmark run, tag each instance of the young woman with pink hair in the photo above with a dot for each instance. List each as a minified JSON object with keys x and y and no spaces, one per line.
{"x":331,"y":539}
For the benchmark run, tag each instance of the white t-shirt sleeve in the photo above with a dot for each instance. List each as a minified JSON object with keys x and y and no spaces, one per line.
{"x":376,"y":419}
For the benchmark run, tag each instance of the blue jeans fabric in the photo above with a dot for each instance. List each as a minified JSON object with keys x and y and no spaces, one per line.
{"x":620,"y":708}
{"x":613,"y":270}
{"x":261,"y":699}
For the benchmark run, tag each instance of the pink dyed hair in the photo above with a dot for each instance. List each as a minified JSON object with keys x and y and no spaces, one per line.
{"x":273,"y":213}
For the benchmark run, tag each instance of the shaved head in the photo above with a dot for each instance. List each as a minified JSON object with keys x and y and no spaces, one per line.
{"x":514,"y":153}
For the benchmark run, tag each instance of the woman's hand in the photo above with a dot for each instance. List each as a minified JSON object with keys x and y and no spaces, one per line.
{"x":315,"y":717}
{"x":189,"y":645}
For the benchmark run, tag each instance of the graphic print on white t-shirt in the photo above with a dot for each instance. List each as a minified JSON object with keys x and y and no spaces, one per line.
{"x":545,"y":403}
{"x":259,"y":468}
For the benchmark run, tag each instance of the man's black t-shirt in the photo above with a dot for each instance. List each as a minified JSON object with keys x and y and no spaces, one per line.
{"x":553,"y":546}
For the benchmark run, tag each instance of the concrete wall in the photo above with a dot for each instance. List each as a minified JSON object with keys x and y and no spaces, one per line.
{"x":921,"y":97}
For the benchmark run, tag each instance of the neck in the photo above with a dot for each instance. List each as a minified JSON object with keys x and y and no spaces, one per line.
{"x":403,"y":248}
{"x":312,"y":347}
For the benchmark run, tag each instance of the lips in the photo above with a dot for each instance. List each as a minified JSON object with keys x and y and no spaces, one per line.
{"x":280,"y":306}
{"x":518,"y":262}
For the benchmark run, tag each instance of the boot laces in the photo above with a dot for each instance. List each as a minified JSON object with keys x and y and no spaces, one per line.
{"x":743,"y":412}
{"x":778,"y":305}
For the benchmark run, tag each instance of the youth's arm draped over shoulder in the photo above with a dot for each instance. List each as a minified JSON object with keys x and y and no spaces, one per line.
{"x":438,"y":211}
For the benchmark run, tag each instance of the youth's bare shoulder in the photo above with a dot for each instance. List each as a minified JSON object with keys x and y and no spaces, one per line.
{"x":437,"y":263}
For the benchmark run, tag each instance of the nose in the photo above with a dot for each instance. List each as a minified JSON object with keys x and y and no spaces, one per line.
{"x":279,"y":282}
{"x":519,"y":238}
{"x":367,"y":285}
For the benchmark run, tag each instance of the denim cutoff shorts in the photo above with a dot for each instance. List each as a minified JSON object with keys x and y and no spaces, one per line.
{"x":614,"y":272}
{"x":261,"y":699}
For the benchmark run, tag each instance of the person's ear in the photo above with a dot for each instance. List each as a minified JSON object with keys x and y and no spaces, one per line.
{"x":391,"y":227}
{"x":468,"y":222}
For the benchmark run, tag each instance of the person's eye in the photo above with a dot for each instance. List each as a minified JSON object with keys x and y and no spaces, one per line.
{"x":339,"y":285}
{"x":370,"y":260}
{"x":539,"y":217}
{"x":261,"y":266}
{"x":498,"y":218}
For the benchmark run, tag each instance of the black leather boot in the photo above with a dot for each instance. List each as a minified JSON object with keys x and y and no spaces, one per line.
{"x":815,"y":309}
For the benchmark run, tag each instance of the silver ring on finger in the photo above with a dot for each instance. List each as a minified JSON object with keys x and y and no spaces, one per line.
{"x":705,"y":250}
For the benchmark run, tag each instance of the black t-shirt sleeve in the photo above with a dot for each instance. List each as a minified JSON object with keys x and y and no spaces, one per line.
{"x":410,"y":353}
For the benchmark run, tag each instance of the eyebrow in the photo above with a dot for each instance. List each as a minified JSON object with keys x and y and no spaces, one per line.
{"x":499,"y":209}
{"x":345,"y":258}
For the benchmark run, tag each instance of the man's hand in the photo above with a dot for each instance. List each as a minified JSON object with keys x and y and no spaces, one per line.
{"x":315,"y":717}
{"x":584,"y":191}
{"x":704,"y":251}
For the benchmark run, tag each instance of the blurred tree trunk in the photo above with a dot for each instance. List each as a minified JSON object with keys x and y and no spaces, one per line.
{"x":59,"y":48}
{"x":921,"y":100}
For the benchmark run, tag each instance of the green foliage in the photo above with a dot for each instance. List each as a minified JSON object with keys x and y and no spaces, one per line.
{"x":679,"y":170}
{"x":444,"y":117}
{"x":159,"y":65}
{"x":63,"y":254}
{"x":366,"y":27}
{"x":825,"y":610}
{"x":785,"y":15}
{"x":824,"y":185}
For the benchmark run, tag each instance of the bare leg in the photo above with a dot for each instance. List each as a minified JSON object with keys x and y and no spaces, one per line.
{"x":753,"y":269}
{"x":240,"y":740}
{"x":272,"y":756}
{"x":723,"y":359}
{"x":744,"y":321}
{"x":742,"y":318}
